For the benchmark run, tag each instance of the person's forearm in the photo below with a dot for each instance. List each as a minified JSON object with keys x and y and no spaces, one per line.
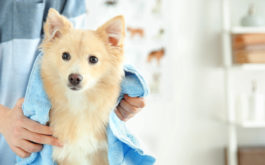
{"x":3,"y":111}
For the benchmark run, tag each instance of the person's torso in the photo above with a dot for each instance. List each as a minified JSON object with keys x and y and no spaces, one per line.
{"x":21,"y":24}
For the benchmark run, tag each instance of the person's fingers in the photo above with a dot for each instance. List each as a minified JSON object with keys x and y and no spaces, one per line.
{"x":41,"y":139}
{"x":21,"y":153}
{"x":125,"y":115}
{"x":138,"y":102}
{"x":33,"y":126}
{"x":118,"y":113}
{"x":29,"y":146}
{"x":128,"y":107}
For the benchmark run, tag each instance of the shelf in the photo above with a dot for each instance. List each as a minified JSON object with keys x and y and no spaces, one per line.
{"x":246,"y":30}
{"x":256,"y":67}
{"x":250,"y":124}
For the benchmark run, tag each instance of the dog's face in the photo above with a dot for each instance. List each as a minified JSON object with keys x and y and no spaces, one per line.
{"x":80,"y":58}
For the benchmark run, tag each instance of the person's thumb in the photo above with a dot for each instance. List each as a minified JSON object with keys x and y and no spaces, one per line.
{"x":19,"y":103}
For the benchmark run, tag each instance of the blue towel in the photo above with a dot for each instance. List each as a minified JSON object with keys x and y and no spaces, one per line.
{"x":123,"y":148}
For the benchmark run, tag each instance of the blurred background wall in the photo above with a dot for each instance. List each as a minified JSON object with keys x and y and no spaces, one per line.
{"x":185,"y":123}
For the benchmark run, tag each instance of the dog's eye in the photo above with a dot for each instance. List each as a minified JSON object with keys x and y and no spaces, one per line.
{"x":66,"y":56}
{"x":93,"y":59}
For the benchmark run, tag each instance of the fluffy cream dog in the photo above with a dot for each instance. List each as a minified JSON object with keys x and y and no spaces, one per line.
{"x":81,"y":72}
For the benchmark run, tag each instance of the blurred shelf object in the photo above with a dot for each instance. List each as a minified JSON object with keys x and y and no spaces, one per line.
{"x":248,"y":48}
{"x":249,"y":67}
{"x":247,"y":30}
{"x":248,"y":155}
{"x":251,"y":124}
{"x":251,"y":155}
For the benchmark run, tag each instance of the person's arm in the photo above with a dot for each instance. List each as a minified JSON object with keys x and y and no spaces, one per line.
{"x":23,"y":135}
{"x":129,"y":107}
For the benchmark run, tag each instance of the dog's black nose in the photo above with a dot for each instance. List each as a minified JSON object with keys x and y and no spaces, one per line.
{"x":75,"y":79}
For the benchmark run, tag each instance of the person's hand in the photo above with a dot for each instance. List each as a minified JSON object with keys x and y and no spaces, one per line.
{"x":24,"y":136}
{"x":129,"y":106}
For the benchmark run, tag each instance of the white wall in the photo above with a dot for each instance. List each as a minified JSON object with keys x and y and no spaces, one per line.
{"x":190,"y":129}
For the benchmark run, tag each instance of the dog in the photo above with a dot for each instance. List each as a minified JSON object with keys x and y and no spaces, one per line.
{"x":157,"y":55}
{"x":81,"y":72}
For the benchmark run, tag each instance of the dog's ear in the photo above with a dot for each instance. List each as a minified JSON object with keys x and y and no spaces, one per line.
{"x":56,"y":25}
{"x":113,"y":31}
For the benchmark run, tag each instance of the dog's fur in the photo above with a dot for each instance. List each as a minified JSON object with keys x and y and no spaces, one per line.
{"x":79,"y":117}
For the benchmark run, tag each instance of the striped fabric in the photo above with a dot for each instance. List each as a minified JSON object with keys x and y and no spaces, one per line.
{"x":21,"y":32}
